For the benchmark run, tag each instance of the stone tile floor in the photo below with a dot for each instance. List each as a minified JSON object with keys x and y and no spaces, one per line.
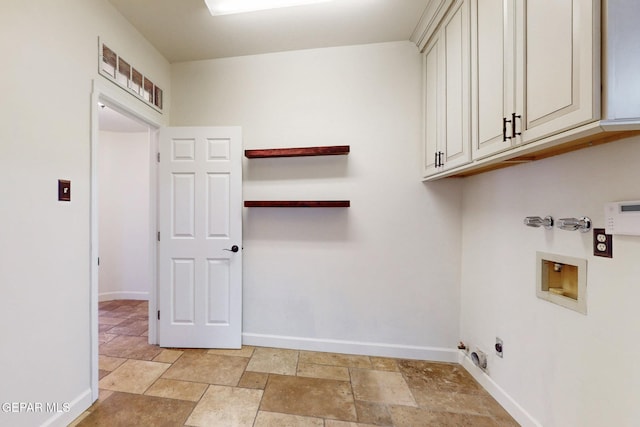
{"x":145,"y":385}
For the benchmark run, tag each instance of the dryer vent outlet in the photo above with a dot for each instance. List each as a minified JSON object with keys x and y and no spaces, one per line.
{"x":479,"y":359}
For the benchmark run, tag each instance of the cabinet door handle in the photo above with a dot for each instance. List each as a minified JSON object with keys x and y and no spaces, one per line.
{"x":504,"y":129}
{"x":438,"y":159}
{"x":513,"y":125}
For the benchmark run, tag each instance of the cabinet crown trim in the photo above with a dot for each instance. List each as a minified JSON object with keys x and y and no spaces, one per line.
{"x":429,"y":21}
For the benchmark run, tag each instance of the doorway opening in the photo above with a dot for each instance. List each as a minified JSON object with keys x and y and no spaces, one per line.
{"x":123,"y":214}
{"x":124,"y":211}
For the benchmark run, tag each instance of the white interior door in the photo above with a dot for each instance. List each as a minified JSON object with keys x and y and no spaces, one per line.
{"x":200,"y":225}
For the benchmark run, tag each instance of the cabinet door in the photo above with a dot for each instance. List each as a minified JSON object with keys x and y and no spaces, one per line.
{"x":447,"y":95}
{"x":457,"y":84}
{"x":558,"y":64}
{"x":432,"y":102}
{"x":493,"y":83}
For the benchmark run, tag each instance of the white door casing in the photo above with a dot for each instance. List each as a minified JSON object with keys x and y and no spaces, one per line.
{"x":200,"y":221}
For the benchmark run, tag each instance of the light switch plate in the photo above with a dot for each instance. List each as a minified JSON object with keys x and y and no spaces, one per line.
{"x":602,"y":243}
{"x":64,"y":190}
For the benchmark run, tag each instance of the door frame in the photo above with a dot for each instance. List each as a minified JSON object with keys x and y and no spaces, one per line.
{"x":122,"y":102}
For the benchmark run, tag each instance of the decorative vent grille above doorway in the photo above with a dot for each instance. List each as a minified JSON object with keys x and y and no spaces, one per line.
{"x":120,"y":72}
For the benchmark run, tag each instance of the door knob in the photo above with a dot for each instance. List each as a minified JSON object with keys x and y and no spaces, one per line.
{"x":234,"y":248}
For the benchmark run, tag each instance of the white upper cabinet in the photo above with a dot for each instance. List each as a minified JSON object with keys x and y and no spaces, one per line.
{"x":621,"y":45}
{"x":544,"y":77}
{"x":558,"y":66}
{"x":535,"y":70}
{"x":447,"y":92}
{"x":493,"y":75}
{"x":431,"y":107}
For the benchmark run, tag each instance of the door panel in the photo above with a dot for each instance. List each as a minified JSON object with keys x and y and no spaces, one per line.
{"x":549,"y":58}
{"x":457,"y":83}
{"x":432,"y":112}
{"x":559,"y":65}
{"x":183,"y":280}
{"x":447,"y":94}
{"x":218,"y":189}
{"x":491,"y":69}
{"x":218,"y":291}
{"x":183,"y":205}
{"x":200,"y":218}
{"x":492,"y":75}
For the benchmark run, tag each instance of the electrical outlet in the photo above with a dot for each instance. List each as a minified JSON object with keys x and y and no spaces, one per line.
{"x":499,"y":347}
{"x":602,"y":243}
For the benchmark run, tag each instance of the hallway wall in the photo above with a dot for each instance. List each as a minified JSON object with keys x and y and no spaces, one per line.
{"x":50,"y":52}
{"x":124,"y":216}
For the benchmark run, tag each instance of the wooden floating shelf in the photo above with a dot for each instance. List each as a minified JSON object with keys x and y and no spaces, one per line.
{"x":297,"y":203}
{"x":334,"y":150}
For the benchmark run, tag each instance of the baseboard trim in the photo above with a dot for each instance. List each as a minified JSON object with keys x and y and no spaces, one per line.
{"x":110,"y":296}
{"x":76,"y":407}
{"x":508,"y":403}
{"x":352,"y":347}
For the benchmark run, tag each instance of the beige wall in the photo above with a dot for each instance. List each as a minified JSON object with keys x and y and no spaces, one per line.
{"x":50,"y":57}
{"x":562,"y":367}
{"x":124,"y":216}
{"x":380,"y":277}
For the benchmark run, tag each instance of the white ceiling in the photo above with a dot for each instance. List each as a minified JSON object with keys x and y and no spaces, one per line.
{"x":112,"y":121}
{"x":184,"y":30}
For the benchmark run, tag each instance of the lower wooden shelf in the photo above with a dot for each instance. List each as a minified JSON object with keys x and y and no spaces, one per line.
{"x":297,"y":203}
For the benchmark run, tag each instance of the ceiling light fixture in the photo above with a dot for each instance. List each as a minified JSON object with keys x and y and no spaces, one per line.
{"x":228,"y":7}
